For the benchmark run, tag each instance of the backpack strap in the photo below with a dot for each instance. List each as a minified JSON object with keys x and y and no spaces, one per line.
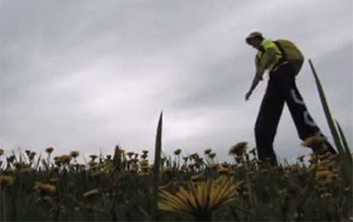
{"x":282,"y":59}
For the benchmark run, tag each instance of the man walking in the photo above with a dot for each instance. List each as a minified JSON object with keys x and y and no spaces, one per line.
{"x":281,"y":88}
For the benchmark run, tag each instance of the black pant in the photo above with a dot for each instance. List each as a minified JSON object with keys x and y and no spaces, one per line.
{"x":281,"y":88}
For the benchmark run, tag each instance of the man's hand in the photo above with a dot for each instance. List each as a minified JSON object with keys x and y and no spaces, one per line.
{"x":247,"y":95}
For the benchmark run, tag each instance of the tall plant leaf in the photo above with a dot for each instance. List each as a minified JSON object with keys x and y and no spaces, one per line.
{"x":156,"y":169}
{"x":344,"y":141}
{"x":326,"y":108}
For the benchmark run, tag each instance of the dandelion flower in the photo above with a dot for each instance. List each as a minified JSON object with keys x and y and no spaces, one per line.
{"x":314,"y":141}
{"x":129,"y":154}
{"x":49,"y":149}
{"x":177,"y":152}
{"x":208,"y":151}
{"x":201,"y":198}
{"x":54,"y":180}
{"x":65,"y":158}
{"x":214,"y":165}
{"x":6,"y":181}
{"x":44,"y":188}
{"x":91,"y":192}
{"x":322,"y":174}
{"x":212,"y":155}
{"x":93,"y":157}
{"x":223,"y":170}
{"x":74,"y":154}
{"x":238,"y":149}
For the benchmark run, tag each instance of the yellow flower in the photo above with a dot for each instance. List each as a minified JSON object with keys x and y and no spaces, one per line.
{"x":144,"y":156}
{"x":49,"y":149}
{"x":325,"y":156}
{"x":6,"y":181}
{"x":26,"y":170}
{"x":91,"y":193}
{"x":208,"y":151}
{"x":177,"y":152}
{"x":130,"y":154}
{"x":326,"y":195}
{"x":312,"y":167}
{"x":65,"y":158}
{"x":314,"y":141}
{"x":97,"y":173}
{"x":238,"y":149}
{"x":93,"y":157}
{"x":199,"y":198}
{"x":224,"y":170}
{"x":44,"y":188}
{"x":312,"y":158}
{"x":264,"y":171}
{"x":144,"y":163}
{"x":323,"y":174}
{"x":54,"y":180}
{"x":74,"y":154}
{"x":212,"y":155}
{"x":91,"y":163}
{"x":196,"y":177}
{"x":214,"y":165}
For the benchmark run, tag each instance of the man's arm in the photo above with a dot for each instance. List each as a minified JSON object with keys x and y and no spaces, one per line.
{"x":255,"y":82}
{"x":260,"y":69}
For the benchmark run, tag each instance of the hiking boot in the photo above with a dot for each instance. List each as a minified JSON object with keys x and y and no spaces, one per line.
{"x":319,"y":144}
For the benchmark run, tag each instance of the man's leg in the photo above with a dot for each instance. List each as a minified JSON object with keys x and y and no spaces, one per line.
{"x":267,"y":122}
{"x":303,"y":121}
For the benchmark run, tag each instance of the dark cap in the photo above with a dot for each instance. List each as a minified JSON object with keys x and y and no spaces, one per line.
{"x":253,"y":35}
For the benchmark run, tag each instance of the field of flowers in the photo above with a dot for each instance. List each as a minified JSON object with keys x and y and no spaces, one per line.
{"x":193,"y":187}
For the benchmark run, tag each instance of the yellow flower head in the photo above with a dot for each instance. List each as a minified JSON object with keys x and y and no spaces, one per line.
{"x":322,"y":174}
{"x":26,"y":170}
{"x":200,"y":197}
{"x":74,"y":154}
{"x":130,"y":154}
{"x":91,"y":193}
{"x":312,"y":158}
{"x":208,"y":151}
{"x":93,"y":157}
{"x":314,"y":141}
{"x":212,"y":155}
{"x":196,"y":177}
{"x":177,"y":152}
{"x":44,"y":188}
{"x":238,"y":149}
{"x":144,"y":163}
{"x":54,"y":180}
{"x":49,"y":149}
{"x":214,"y":165}
{"x":65,"y":158}
{"x":223,"y":170}
{"x":6,"y":181}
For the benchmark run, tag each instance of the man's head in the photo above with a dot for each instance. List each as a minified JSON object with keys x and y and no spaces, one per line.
{"x":254,"y":39}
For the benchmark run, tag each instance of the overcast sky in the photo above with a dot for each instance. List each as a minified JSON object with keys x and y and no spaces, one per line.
{"x":88,"y":75}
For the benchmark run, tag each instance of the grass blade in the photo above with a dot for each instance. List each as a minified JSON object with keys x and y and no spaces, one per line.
{"x":156,"y":169}
{"x":326,"y":109}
